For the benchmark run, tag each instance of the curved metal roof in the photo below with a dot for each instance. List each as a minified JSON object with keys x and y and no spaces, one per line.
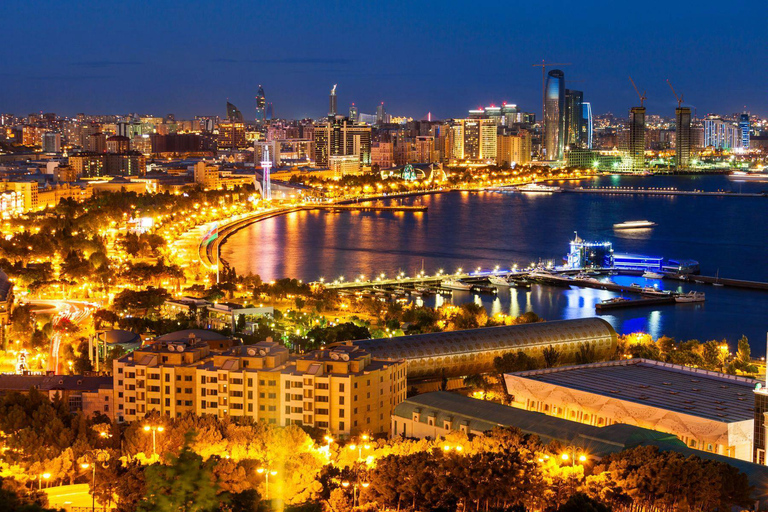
{"x":489,"y":339}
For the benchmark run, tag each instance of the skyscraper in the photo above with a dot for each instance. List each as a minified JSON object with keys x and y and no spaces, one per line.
{"x":744,"y":129}
{"x":341,"y":137}
{"x":380,"y":114}
{"x":233,"y":114}
{"x":332,"y":108}
{"x":261,"y":106}
{"x":682,"y":138}
{"x":353,"y":113}
{"x":587,"y":125}
{"x":637,"y":137}
{"x":554,"y":115}
{"x":574,"y":118}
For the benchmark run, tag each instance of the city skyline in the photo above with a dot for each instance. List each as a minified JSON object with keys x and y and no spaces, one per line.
{"x":141,"y":66}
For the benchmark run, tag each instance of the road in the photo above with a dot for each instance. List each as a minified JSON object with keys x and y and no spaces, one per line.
{"x":68,"y":496}
{"x":75,"y":311}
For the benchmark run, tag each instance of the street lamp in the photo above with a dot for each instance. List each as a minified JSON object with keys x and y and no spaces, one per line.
{"x":85,"y":466}
{"x":359,"y":447}
{"x":346,"y":484}
{"x":266,"y":472}
{"x":40,"y":480}
{"x":154,"y":429}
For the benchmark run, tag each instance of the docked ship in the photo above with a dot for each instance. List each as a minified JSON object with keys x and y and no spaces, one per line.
{"x":690,"y":297}
{"x":652,"y":275}
{"x":539,"y":189}
{"x":498,"y":281}
{"x":455,"y":284}
{"x":634,"y":224}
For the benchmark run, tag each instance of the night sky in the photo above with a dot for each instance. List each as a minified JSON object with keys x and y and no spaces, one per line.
{"x":189,"y":57}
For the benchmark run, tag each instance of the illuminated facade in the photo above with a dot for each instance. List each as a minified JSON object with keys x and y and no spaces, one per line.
{"x":206,"y":175}
{"x":261,"y":106}
{"x":341,"y":389}
{"x":721,"y":134}
{"x":339,"y":136}
{"x":474,"y":140}
{"x":574,"y":118}
{"x":554,"y":115}
{"x":744,"y":127}
{"x":514,"y":149}
{"x":584,"y":254}
{"x":232,"y":135}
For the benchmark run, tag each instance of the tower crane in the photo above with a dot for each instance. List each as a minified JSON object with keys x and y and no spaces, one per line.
{"x":641,"y":96}
{"x":679,"y":98}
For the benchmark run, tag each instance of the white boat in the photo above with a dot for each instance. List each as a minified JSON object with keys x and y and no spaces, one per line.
{"x":498,"y":281}
{"x":655,"y":292}
{"x":539,"y":189}
{"x":748,"y":176}
{"x":634,"y":224}
{"x":652,"y":275}
{"x":455,"y":284}
{"x":690,"y":297}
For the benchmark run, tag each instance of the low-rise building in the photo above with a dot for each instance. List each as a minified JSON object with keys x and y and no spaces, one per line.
{"x":91,"y":395}
{"x":341,"y":389}
{"x":708,"y":411}
{"x":225,"y":315}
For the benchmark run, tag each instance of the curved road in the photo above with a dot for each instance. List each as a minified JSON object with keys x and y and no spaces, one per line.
{"x":76,"y":312}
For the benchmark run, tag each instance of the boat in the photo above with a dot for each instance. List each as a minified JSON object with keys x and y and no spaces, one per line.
{"x":652,"y":275}
{"x":717,"y":279}
{"x":614,"y":300}
{"x":698,"y":281}
{"x":498,"y":281}
{"x":748,"y":176}
{"x":635,"y":224}
{"x":655,"y":292}
{"x":522,"y":284}
{"x":455,"y":284}
{"x":690,"y":297}
{"x":536,"y":188}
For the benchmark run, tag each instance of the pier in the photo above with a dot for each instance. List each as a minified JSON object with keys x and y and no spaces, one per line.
{"x":661,"y":192}
{"x":732,"y":283}
{"x":368,"y":208}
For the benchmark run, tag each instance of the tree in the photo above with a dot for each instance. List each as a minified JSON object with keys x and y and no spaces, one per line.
{"x":582,"y":503}
{"x":184,"y":485}
{"x":586,"y":353}
{"x":551,"y":356}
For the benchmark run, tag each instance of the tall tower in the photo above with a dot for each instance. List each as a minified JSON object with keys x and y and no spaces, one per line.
{"x":261,"y":106}
{"x":381,"y":115}
{"x":353,"y":113}
{"x":332,"y":110}
{"x":554,"y":115}
{"x":587,"y":126}
{"x":574,"y":118}
{"x":682,"y":138}
{"x":637,"y":137}
{"x":744,"y":126}
{"x":266,"y":186}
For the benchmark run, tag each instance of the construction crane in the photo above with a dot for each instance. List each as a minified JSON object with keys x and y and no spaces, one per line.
{"x":544,"y":64}
{"x":679,"y":98}
{"x":641,"y":96}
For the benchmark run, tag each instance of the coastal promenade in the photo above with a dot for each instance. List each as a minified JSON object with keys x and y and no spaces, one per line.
{"x":660,"y":192}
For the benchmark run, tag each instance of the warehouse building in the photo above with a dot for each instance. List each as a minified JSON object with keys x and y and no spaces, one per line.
{"x":471,"y":351}
{"x":706,"y":410}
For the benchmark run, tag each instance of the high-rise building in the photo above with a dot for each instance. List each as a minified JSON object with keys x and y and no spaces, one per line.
{"x":339,"y":136}
{"x":261,"y":106}
{"x":473,"y":139}
{"x":118,"y":144}
{"x":744,"y":127}
{"x":233,"y":114}
{"x":51,"y":142}
{"x":232,"y":135}
{"x":381,"y":114}
{"x":682,"y":137}
{"x":721,"y":134}
{"x":587,"y":125}
{"x":514,"y":149}
{"x":637,"y":138}
{"x":332,"y":101}
{"x":554,"y":115}
{"x":353,"y":113}
{"x":574,"y":118}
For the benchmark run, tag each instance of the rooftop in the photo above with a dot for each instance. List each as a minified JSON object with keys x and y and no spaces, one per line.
{"x":24,"y":383}
{"x":705,"y":394}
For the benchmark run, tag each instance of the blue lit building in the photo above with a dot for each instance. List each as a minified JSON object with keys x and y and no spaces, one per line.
{"x":587,"y":125}
{"x":585,"y":254}
{"x":744,"y":130}
{"x":554,"y":115}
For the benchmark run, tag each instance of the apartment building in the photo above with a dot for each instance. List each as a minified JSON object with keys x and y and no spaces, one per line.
{"x":341,"y":388}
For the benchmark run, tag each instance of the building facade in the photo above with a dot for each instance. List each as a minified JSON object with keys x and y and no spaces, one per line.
{"x":341,"y":389}
{"x":682,"y":138}
{"x":636,"y":144}
{"x":339,"y":136}
{"x":554,"y":115}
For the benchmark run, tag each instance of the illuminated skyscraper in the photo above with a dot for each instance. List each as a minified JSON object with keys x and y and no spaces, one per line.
{"x":261,"y":106}
{"x":266,"y":185}
{"x":574,"y":118}
{"x":637,"y":137}
{"x":554,"y":115}
{"x":341,"y":137}
{"x":353,"y":113}
{"x":744,"y":129}
{"x":332,"y":99}
{"x":682,"y":137}
{"x":587,"y":125}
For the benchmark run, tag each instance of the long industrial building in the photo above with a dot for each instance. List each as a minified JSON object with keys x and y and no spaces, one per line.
{"x":708,"y":411}
{"x":471,"y":351}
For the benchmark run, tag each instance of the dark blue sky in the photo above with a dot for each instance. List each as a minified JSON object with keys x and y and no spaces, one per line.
{"x":188,"y":57}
